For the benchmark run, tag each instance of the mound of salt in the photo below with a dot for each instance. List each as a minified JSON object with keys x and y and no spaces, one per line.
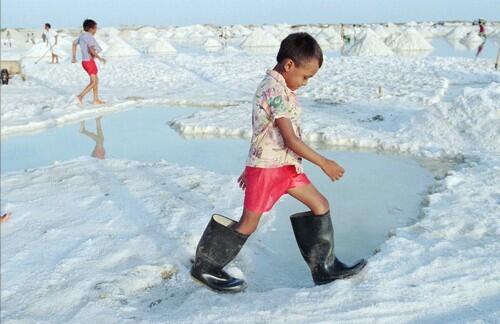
{"x":148,"y":36}
{"x":161,"y":46}
{"x":458,"y":32}
{"x":129,"y":34}
{"x":381,"y":31}
{"x":119,"y":48}
{"x":408,"y":40}
{"x":369,"y":45}
{"x":212,"y":43}
{"x":147,"y":29}
{"x":37,"y":50}
{"x":472,"y":39}
{"x":323,"y":41}
{"x":109,"y":31}
{"x":259,"y":38}
{"x":42,"y":49}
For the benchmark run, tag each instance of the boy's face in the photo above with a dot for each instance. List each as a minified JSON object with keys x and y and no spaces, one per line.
{"x":296,"y":76}
{"x":93,"y":30}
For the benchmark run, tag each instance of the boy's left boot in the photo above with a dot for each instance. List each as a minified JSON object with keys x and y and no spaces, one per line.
{"x":314,"y":235}
{"x":218,"y":246}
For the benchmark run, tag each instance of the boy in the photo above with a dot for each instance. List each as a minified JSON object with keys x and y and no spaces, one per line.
{"x":273,"y":169}
{"x":50,"y":36}
{"x":90,"y":51}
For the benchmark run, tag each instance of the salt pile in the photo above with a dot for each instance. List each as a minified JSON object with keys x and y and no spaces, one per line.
{"x":212,"y":43}
{"x":369,"y":45}
{"x":129,"y":34}
{"x":322,"y":41}
{"x":118,"y":47}
{"x":147,"y":30}
{"x":161,"y":46}
{"x":456,"y":44}
{"x":381,"y":31}
{"x":37,"y":50}
{"x":259,"y":38}
{"x":240,"y":30}
{"x":408,"y":40}
{"x":458,"y":32}
{"x":472,"y":39}
{"x":109,"y":32}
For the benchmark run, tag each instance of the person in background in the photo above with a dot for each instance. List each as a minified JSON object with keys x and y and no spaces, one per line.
{"x":482,"y":29}
{"x":9,"y":39}
{"x":50,"y":36}
{"x":90,"y":50}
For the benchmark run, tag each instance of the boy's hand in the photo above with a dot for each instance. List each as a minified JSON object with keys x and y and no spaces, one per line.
{"x":241,"y":180}
{"x":102,"y":60}
{"x":332,"y":169}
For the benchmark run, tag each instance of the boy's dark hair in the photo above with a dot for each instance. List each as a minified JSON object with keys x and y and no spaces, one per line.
{"x":300,"y":48}
{"x":88,"y":24}
{"x":48,"y":25}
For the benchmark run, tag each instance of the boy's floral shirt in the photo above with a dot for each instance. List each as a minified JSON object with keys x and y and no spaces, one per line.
{"x":273,"y":100}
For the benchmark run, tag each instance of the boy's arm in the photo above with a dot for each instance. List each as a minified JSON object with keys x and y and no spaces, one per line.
{"x":73,"y":52}
{"x":294,"y":143}
{"x":96,"y":55}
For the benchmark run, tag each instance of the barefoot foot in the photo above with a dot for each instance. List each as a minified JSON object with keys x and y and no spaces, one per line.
{"x":99,"y":102}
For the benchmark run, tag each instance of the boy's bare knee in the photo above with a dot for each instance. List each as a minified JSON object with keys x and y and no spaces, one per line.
{"x":322,"y":207}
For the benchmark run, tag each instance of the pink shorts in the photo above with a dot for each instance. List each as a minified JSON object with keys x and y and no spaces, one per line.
{"x":265,"y":186}
{"x":90,"y":67}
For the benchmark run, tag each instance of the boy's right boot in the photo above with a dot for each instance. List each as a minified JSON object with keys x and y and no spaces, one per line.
{"x":314,"y":235}
{"x":218,"y":245}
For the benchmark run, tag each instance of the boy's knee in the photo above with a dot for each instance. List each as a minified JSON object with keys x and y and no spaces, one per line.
{"x":322,"y":207}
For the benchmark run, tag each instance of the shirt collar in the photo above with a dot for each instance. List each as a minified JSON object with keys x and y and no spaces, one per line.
{"x":278,"y":77}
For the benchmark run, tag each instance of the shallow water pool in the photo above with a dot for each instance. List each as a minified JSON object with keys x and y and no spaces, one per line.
{"x":378,"y":193}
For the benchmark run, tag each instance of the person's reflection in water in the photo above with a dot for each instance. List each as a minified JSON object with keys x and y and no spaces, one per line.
{"x":99,"y":152}
{"x":480,"y":48}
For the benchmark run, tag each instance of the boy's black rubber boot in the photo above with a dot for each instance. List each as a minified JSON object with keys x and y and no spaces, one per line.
{"x":218,"y":245}
{"x":314,"y":235}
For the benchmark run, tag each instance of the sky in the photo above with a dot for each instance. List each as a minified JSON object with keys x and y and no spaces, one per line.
{"x":70,"y":13}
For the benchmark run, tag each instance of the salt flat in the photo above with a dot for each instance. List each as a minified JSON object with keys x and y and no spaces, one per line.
{"x":105,"y":241}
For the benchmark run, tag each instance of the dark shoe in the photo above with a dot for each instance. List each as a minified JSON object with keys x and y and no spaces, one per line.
{"x":218,"y":245}
{"x":314,"y":236}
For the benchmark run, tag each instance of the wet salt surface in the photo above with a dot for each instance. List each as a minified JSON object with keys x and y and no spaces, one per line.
{"x":378,"y":193}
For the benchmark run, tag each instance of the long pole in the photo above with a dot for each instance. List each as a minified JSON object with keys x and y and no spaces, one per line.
{"x":43,"y":56}
{"x":498,"y":57}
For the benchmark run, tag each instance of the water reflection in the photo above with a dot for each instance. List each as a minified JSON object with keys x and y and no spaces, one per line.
{"x":98,"y":137}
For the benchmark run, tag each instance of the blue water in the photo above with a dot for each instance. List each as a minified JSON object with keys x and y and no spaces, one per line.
{"x":378,"y":193}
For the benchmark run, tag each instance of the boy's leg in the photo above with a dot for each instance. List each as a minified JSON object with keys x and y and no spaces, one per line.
{"x":95,"y":90}
{"x":248,"y":222}
{"x":87,"y":88}
{"x":311,"y":197}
